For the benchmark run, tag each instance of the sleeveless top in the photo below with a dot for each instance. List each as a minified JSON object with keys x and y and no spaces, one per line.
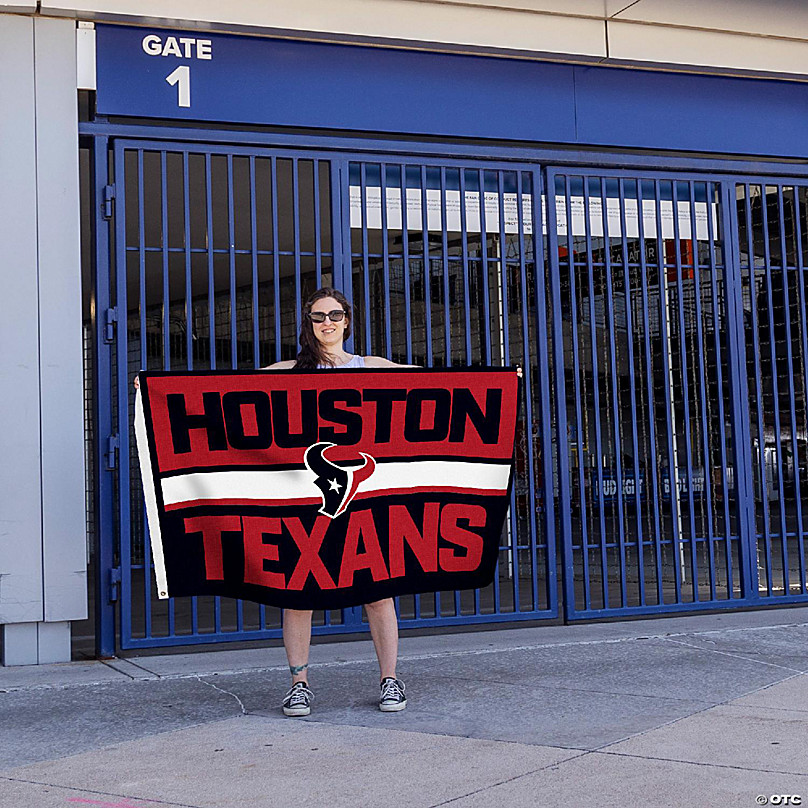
{"x":355,"y":361}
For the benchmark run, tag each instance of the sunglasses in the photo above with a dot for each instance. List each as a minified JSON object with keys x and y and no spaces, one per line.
{"x":319,"y":316}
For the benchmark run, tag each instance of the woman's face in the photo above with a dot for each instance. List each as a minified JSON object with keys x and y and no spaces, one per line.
{"x":328,"y":333}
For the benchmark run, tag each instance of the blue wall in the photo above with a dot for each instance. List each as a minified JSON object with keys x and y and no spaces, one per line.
{"x":303,"y":84}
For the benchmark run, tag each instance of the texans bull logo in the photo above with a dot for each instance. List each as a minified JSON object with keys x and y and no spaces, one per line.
{"x":337,"y":484}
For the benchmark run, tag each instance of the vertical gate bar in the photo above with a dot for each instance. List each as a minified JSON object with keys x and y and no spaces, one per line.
{"x":211,"y":312}
{"x":164,"y":249}
{"x":341,"y":257}
{"x":703,"y":390}
{"x":738,"y":376}
{"x":711,"y":236}
{"x":276,"y":260}
{"x":189,"y":311}
{"x":528,"y":388}
{"x":673,"y":486}
{"x":800,"y":269}
{"x":560,"y":404}
{"x":447,"y":310}
{"x":405,"y":257}
{"x":211,"y":283}
{"x":121,"y":383}
{"x":790,"y":382}
{"x":649,"y":379}
{"x":485,"y":333}
{"x":231,"y":248}
{"x":506,"y":358}
{"x":543,"y":377}
{"x":365,"y":268}
{"x":764,"y":492}
{"x":318,"y":247}
{"x":775,"y":381}
{"x":254,"y":266}
{"x":609,"y":324}
{"x":621,"y":192}
{"x":677,"y":253}
{"x":447,"y":336}
{"x":296,"y":221}
{"x":578,"y":410}
{"x":485,"y":341}
{"x":388,"y":343}
{"x":123,"y":409}
{"x":189,"y":298}
{"x":102,"y":384}
{"x":604,"y":558}
{"x":427,"y":269}
{"x":466,"y":310}
{"x":486,"y":291}
{"x":122,"y":388}
{"x":164,"y":262}
{"x":465,"y":252}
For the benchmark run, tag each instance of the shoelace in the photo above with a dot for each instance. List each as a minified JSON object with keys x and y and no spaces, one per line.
{"x":391,"y":691}
{"x":299,"y":694}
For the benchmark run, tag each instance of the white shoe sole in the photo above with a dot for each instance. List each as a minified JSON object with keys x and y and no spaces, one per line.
{"x":296,"y":711}
{"x":393,"y":708}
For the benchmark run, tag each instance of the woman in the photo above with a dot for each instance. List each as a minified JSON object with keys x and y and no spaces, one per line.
{"x":325,"y":325}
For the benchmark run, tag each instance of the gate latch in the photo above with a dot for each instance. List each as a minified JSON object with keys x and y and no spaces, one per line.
{"x":112,"y":452}
{"x":109,"y":195}
{"x":110,"y":319}
{"x":114,"y":584}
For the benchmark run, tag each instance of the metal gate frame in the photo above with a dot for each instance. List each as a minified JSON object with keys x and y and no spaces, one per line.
{"x":101,"y":134}
{"x":111,"y":320}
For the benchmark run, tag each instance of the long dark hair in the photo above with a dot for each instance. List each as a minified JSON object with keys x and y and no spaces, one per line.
{"x":311,"y":353}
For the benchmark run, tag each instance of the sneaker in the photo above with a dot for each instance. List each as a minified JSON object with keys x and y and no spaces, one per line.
{"x":298,"y":700}
{"x":392,"y":698}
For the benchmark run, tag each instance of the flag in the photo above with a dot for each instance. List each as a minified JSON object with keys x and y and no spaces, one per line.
{"x":324,"y":489}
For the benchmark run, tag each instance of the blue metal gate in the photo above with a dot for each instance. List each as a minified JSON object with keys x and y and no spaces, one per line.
{"x":649,"y":401}
{"x":771,"y":217}
{"x":216,"y":246}
{"x":661,"y":320}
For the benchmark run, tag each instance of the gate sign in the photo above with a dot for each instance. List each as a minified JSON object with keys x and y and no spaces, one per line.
{"x":325,"y":489}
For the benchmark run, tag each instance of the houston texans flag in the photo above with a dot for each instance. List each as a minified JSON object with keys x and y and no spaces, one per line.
{"x":324,"y":489}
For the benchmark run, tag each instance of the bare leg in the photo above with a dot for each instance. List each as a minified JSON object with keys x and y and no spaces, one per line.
{"x":384,"y":631}
{"x":296,"y":640}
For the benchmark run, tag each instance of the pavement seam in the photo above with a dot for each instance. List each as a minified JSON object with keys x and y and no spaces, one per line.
{"x":423,"y":657}
{"x":507,"y":780}
{"x":725,"y":702}
{"x":697,"y":763}
{"x":560,"y":763}
{"x":100,"y":793}
{"x":735,"y":656}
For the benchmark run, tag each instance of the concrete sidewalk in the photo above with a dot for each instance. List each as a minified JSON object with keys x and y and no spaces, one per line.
{"x":686,"y":711}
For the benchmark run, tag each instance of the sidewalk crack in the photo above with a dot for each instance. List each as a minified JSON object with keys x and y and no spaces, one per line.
{"x":227,"y":692}
{"x":507,"y":780}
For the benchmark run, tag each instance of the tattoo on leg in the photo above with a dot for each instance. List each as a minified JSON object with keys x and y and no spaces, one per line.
{"x":295,"y":669}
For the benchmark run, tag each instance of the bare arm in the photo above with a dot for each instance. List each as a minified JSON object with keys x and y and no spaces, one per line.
{"x":381,"y":362}
{"x":286,"y":364}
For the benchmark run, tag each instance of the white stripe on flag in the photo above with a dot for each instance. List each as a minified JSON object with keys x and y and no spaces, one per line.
{"x":299,"y":483}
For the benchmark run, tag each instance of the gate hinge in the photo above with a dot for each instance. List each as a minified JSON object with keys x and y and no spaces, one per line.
{"x":113,"y":443}
{"x":114,"y":584}
{"x":110,"y":320}
{"x":109,"y":196}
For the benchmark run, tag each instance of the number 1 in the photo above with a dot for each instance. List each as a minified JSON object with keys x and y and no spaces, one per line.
{"x":182,"y":77}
